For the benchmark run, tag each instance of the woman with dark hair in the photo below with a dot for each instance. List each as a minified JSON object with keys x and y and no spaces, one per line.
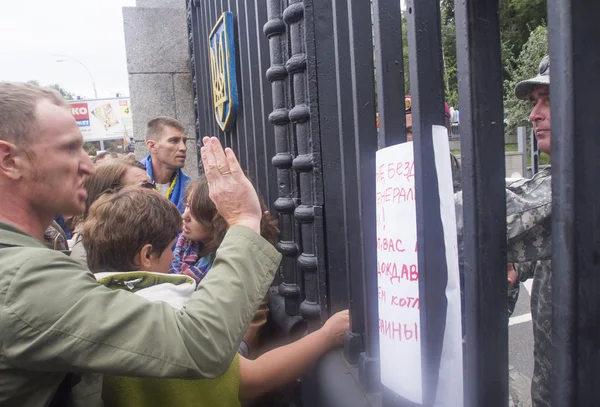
{"x":203,"y":232}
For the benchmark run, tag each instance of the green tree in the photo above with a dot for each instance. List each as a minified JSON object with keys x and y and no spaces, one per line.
{"x":65,"y":93}
{"x":449,"y":56}
{"x":523,"y":67}
{"x":405,"y":54}
{"x":518,"y":18}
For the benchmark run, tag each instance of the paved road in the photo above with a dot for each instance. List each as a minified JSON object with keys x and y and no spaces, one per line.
{"x":520,"y":335}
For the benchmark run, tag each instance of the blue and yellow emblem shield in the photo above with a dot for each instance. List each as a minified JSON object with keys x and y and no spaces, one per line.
{"x":223,"y":71}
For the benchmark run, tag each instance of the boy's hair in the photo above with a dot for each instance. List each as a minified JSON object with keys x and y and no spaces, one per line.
{"x":203,"y":209}
{"x":119,"y":224}
{"x":156,"y":126}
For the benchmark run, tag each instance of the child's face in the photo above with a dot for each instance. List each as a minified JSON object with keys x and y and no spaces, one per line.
{"x":192,"y":229}
{"x":162,"y":263}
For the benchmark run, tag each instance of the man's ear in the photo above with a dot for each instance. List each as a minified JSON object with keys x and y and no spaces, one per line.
{"x":151,"y":144}
{"x":11,"y":160}
{"x":144,"y":258}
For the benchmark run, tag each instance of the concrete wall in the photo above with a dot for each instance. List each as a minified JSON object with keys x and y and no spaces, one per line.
{"x":160,"y":84}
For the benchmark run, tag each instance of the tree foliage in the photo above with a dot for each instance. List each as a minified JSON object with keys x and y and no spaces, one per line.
{"x":523,"y":43}
{"x":449,"y":56}
{"x":523,"y":67}
{"x":65,"y":93}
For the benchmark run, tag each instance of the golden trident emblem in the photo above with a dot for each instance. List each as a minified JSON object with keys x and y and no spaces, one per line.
{"x":218,"y":71}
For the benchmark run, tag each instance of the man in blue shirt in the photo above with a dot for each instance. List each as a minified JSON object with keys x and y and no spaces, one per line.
{"x":165,"y":139}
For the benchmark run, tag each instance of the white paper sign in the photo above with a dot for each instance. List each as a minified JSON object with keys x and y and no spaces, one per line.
{"x":397,"y":274}
{"x":398,"y":277}
{"x":450,"y":384}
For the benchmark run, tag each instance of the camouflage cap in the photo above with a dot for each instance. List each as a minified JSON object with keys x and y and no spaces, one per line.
{"x":524,"y":88}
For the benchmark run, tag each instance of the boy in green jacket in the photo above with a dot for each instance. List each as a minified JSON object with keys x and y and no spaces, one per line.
{"x":134,"y":229}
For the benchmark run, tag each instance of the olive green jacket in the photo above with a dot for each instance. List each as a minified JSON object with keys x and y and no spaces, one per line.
{"x":55,"y":318}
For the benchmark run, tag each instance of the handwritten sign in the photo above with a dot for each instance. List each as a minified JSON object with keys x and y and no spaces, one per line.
{"x":397,"y":272}
{"x":398,"y":275}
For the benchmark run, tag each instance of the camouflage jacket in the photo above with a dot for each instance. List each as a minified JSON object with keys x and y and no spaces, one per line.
{"x":456,"y":177}
{"x":541,"y":313}
{"x":528,"y":209}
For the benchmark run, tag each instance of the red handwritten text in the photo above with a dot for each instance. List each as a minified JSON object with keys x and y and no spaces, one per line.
{"x":390,"y":245}
{"x":381,"y":217}
{"x":390,"y":270}
{"x":395,"y":195}
{"x":397,"y":169}
{"x":397,"y":331}
{"x":405,"y":302}
{"x":382,"y":295}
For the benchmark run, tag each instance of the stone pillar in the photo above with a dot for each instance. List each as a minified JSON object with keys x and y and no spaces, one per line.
{"x":158,"y":64}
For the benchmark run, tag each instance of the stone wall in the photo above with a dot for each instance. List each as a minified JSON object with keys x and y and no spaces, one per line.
{"x":158,"y":64}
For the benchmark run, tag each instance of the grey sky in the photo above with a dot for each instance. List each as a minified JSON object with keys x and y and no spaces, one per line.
{"x":89,"y":30}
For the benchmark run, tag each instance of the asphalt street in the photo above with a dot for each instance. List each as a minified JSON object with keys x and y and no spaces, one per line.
{"x":520,"y":334}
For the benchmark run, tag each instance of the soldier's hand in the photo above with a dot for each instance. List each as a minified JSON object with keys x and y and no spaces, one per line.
{"x":230,"y":190}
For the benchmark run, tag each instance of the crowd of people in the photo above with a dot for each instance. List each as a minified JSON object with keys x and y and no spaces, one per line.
{"x":131,"y":284}
{"x":159,"y":298}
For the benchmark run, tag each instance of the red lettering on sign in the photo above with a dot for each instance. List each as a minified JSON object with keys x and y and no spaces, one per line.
{"x":409,"y":272}
{"x":381,"y":217}
{"x":400,"y":169}
{"x":390,"y":245}
{"x":390,"y":270}
{"x":405,"y":302}
{"x":395,"y":195}
{"x":381,"y":174}
{"x":398,"y":331}
{"x":382,"y":294}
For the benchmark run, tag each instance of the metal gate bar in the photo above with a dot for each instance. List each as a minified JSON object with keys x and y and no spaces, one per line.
{"x":275,"y":30}
{"x":339,"y":158}
{"x":307,"y":164}
{"x":245,"y":82}
{"x":248,"y":56}
{"x":426,"y":77}
{"x":484,"y":208}
{"x":363,"y":99}
{"x":389,"y":70}
{"x":574,"y":60}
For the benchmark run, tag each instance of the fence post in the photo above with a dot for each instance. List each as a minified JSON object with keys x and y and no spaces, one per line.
{"x":522,"y":140}
{"x":484,"y":208}
{"x":535,"y":155}
{"x":573,"y":28}
{"x":427,"y":89}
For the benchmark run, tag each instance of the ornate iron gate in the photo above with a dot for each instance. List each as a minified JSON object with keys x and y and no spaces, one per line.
{"x":310,"y":76}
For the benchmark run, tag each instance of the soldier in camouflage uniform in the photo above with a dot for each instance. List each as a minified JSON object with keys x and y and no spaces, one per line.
{"x":528,"y":206}
{"x":537,"y":90}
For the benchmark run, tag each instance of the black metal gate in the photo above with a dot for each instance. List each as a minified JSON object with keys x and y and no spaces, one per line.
{"x":310,"y":76}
